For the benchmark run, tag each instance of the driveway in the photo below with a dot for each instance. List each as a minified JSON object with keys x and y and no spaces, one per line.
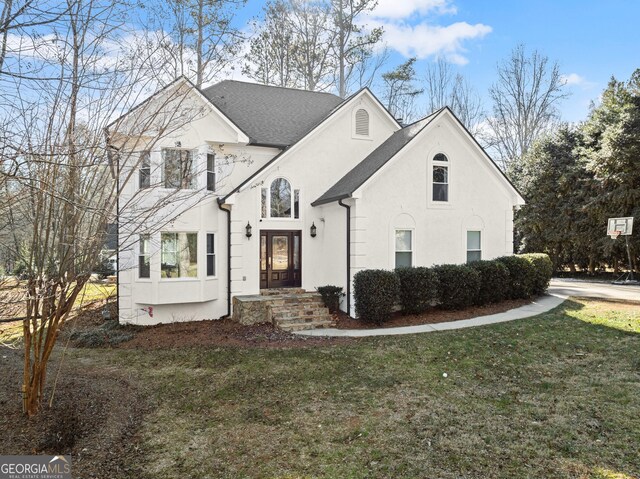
{"x":569,"y":287}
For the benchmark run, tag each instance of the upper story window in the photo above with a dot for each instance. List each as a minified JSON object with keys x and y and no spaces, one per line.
{"x":279,"y":200}
{"x":440,"y":178}
{"x":144,"y":171}
{"x":177,"y":169}
{"x":361,"y":122}
{"x":211,"y":172}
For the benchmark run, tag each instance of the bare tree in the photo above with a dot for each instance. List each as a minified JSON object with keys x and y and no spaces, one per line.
{"x":272,"y":49}
{"x":65,"y":155}
{"x":352,"y":45}
{"x":444,"y":88}
{"x":525,"y":100}
{"x":194,"y":38}
{"x":400,"y":92}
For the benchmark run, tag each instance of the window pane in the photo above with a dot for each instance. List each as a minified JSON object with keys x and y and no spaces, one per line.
{"x":280,"y":252}
{"x":211,"y":270}
{"x":296,"y":204}
{"x":440,"y":157}
{"x":440,"y":174}
{"x":296,"y":252}
{"x":263,"y":253}
{"x":179,"y":255}
{"x":264,"y":203}
{"x":177,"y":169}
{"x":473,"y":256}
{"x":144,"y":267}
{"x":473,"y":240}
{"x":211,"y":175}
{"x":440,"y":192}
{"x":144,"y":244}
{"x":403,"y":240}
{"x":210,"y":246}
{"x":280,"y":198}
{"x":403,"y":259}
{"x":145,"y":170}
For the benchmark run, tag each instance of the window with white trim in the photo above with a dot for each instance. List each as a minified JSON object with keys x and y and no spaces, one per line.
{"x":404,"y":248}
{"x":211,"y":172}
{"x":144,"y":257}
{"x":474,"y":246}
{"x":279,"y":200}
{"x":440,"y":178}
{"x":177,"y":169}
{"x":179,"y":255}
{"x":144,"y":171}
{"x":211,"y":254}
{"x":361,"y":122}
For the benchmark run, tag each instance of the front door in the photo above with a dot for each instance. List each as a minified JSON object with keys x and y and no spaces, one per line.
{"x":280,"y":259}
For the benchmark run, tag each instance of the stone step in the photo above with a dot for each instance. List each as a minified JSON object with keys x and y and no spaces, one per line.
{"x":282,"y":291}
{"x":306,"y":325}
{"x":303,"y":318}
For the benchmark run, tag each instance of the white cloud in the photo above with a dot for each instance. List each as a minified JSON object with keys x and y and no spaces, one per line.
{"x":394,"y":9}
{"x":573,"y":79}
{"x":424,"y":40}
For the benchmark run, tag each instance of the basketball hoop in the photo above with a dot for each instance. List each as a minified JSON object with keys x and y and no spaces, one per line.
{"x":614,"y":234}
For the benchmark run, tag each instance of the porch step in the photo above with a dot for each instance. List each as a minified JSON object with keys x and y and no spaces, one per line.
{"x":298,"y":312}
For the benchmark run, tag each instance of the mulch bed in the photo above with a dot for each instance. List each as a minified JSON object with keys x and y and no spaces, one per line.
{"x":223,"y":332}
{"x":96,"y":417}
{"x":434,"y":315}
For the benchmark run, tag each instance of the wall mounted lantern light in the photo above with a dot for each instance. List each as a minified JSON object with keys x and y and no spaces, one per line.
{"x":313,"y":230}
{"x":248,"y":230}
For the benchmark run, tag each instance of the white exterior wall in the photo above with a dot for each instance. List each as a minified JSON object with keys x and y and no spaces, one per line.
{"x":197,"y":211}
{"x":399,"y":196}
{"x":312,"y":166}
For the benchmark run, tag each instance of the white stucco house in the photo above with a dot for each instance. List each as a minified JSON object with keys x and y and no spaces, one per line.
{"x":290,"y":188}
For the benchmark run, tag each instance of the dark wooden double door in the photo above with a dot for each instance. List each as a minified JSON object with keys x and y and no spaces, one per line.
{"x":280,"y":259}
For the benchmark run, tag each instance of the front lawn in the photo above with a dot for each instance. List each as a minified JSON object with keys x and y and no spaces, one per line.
{"x":556,"y":396}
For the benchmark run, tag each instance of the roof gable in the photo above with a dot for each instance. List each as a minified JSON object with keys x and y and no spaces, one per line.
{"x":271,"y":116}
{"x":367,"y":168}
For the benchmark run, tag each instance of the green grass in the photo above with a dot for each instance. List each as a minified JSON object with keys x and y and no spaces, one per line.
{"x":556,"y":396}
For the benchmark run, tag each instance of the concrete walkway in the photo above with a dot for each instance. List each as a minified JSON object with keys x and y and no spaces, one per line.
{"x":559,"y":290}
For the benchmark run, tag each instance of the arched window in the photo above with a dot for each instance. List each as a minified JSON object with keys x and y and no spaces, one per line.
{"x":280,"y":198}
{"x":440,"y":178}
{"x":362,"y":122}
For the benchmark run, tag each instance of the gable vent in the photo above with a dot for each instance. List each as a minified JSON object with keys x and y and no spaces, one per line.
{"x":362,"y":122}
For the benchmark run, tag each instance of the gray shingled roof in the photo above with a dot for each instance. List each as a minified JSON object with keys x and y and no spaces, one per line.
{"x":353,"y":180}
{"x":271,"y":115}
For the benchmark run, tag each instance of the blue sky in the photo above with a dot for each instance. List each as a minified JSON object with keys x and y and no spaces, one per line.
{"x":591,"y":39}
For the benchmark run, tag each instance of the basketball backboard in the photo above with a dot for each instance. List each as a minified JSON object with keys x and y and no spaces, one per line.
{"x":624,"y":225}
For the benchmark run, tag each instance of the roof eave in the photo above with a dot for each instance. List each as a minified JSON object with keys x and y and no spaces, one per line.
{"x":331,"y":199}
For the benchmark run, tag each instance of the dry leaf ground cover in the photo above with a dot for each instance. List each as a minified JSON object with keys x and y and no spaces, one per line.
{"x":556,"y":396}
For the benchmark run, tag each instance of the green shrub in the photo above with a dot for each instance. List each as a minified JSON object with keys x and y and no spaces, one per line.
{"x":494,"y":281}
{"x":543,"y":270}
{"x":521,"y":273}
{"x":418,"y":289}
{"x":458,"y":285}
{"x":375,"y":293}
{"x":331,"y":296}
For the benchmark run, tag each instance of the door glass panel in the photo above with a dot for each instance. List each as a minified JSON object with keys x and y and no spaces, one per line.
{"x":280,"y":252}
{"x":296,"y":252}
{"x":263,"y":253}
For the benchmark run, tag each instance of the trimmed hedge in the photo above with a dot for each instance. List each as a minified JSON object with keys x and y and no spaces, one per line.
{"x":452,"y":286}
{"x":459,"y":285}
{"x":418,"y":289}
{"x":521,"y":274}
{"x":494,"y":281}
{"x":542,"y":270}
{"x":331,"y":296}
{"x":375,"y":293}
